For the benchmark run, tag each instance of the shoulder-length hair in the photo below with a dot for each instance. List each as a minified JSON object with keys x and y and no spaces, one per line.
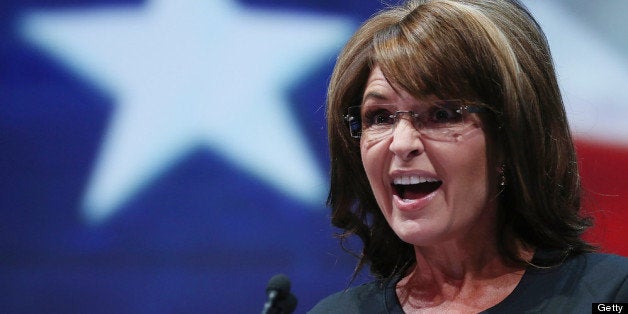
{"x":489,"y":51}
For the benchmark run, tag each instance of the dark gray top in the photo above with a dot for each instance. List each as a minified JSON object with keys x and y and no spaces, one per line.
{"x":571,"y":287}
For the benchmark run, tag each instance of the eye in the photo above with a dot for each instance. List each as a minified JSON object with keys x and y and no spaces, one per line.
{"x":442,"y":114}
{"x":378,"y":117}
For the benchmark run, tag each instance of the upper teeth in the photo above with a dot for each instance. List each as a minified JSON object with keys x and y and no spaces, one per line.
{"x":409,"y":179}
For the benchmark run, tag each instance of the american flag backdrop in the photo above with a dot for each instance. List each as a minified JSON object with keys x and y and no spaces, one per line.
{"x":165,"y":156}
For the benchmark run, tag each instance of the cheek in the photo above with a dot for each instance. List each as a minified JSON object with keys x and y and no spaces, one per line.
{"x":374,"y":158}
{"x":368,"y":162}
{"x":476,"y":168}
{"x":458,"y":162}
{"x":369,"y":158}
{"x":465,"y":168}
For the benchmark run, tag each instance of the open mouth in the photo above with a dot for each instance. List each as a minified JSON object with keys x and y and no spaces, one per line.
{"x":414,"y":187}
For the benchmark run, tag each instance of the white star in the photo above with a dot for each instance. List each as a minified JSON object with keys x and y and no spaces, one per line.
{"x":189,"y":73}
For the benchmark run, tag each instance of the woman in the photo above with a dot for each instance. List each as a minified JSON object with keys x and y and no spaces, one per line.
{"x":453,"y":162}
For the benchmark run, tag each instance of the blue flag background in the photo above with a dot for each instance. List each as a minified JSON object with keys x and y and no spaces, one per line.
{"x":171,"y":157}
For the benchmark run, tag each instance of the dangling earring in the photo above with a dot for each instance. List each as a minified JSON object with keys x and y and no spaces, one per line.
{"x":502,"y":175}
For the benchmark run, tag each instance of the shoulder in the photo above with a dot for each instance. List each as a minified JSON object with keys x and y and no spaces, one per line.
{"x":571,"y":287}
{"x":605,"y":275}
{"x":603,"y":261}
{"x":590,"y":277}
{"x":366,"y":298}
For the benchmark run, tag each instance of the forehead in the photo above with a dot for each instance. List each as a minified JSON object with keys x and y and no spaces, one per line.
{"x":379,"y":89}
{"x":376,"y":78}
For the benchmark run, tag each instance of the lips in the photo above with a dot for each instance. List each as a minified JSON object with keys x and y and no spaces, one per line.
{"x":412,"y":187}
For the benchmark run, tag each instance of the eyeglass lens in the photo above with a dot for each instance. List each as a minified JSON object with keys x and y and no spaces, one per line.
{"x":443,"y":120}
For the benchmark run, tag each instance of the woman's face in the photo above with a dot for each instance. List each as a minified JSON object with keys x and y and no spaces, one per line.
{"x":451,"y":202}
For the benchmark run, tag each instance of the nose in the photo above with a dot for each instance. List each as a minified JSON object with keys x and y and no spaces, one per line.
{"x":406,"y":141}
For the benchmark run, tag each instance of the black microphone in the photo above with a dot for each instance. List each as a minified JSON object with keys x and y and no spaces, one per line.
{"x":285,"y":306}
{"x":279,"y":300}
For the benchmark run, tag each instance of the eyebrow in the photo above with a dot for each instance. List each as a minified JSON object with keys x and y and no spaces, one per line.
{"x":373,"y":95}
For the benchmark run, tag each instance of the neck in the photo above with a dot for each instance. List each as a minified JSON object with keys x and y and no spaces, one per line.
{"x":459,"y":275}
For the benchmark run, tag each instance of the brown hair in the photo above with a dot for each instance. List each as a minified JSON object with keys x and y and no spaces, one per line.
{"x":489,"y":51}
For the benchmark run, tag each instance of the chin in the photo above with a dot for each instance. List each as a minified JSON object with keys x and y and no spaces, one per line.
{"x":417,"y":234}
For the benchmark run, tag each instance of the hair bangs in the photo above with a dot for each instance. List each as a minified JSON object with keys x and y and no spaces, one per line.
{"x":427,"y":53}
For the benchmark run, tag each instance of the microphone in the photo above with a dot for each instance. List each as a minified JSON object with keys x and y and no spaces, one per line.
{"x":287,"y":305}
{"x":279,"y":300}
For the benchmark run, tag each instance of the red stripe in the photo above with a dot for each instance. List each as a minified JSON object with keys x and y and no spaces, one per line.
{"x":604,"y":171}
